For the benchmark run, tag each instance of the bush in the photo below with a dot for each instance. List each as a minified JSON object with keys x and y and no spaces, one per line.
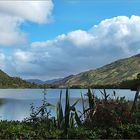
{"x":108,"y":113}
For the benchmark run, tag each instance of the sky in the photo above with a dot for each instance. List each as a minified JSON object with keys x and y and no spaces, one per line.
{"x":56,"y":38}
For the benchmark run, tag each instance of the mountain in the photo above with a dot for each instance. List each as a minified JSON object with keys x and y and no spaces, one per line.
{"x":53,"y":81}
{"x":7,"y":81}
{"x":63,"y":80}
{"x":38,"y":81}
{"x":110,"y":75}
{"x":121,"y":73}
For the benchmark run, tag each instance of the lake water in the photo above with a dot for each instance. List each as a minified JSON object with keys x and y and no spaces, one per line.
{"x":15,"y":103}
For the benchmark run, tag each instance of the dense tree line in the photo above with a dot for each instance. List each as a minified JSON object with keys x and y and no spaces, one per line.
{"x":131,"y":84}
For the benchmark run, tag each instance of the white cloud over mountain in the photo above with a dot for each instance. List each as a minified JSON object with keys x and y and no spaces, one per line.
{"x":14,"y":13}
{"x":80,"y":50}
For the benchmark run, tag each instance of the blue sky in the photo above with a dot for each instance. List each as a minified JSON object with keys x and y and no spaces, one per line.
{"x":52,"y":39}
{"x":69,"y":15}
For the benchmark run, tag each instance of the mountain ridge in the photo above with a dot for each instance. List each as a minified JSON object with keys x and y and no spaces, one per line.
{"x":41,"y":82}
{"x":108,"y":75}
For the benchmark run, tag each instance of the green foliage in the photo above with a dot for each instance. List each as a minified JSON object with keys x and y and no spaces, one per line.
{"x":41,"y":115}
{"x":70,"y":116}
{"x":132,"y":83}
{"x":59,"y":112}
{"x":22,"y":130}
{"x":108,"y":112}
{"x":105,"y":118}
{"x":67,"y":112}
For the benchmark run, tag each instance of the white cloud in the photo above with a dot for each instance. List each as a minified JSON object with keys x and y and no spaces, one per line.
{"x":35,"y":11}
{"x":80,"y":38}
{"x":2,"y":60}
{"x":14,"y":13}
{"x":80,"y":50}
{"x":10,"y":34}
{"x":23,"y":56}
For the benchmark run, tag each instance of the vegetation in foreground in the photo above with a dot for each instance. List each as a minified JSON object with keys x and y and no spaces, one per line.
{"x":105,"y":118}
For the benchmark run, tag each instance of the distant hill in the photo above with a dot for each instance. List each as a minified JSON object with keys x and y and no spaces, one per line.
{"x":111,"y":75}
{"x":63,"y":80}
{"x":38,"y":81}
{"x":7,"y":81}
{"x":53,"y":81}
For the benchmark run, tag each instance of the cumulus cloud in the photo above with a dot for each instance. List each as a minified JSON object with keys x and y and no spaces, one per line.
{"x":14,"y":13}
{"x":35,"y":11}
{"x":9,"y":32}
{"x":2,"y":60}
{"x":80,"y":50}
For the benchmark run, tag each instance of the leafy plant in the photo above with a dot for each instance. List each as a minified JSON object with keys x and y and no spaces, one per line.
{"x":41,"y":114}
{"x":67,"y":118}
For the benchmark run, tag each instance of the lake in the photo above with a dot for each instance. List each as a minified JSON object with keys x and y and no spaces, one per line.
{"x":15,"y":103}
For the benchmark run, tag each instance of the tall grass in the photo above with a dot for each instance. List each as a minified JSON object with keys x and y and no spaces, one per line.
{"x":66,"y":117}
{"x":100,"y":113}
